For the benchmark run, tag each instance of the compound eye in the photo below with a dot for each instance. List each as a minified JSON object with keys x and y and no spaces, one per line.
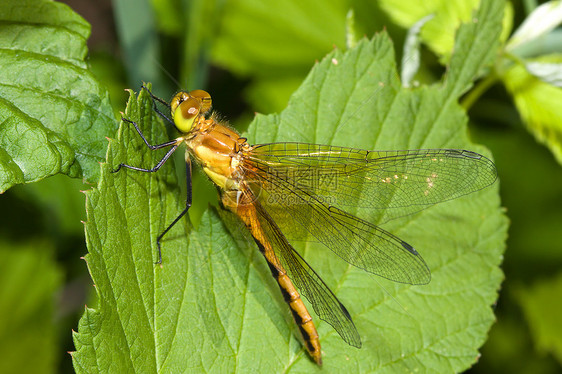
{"x":179,"y":98}
{"x":205,"y":99}
{"x":185,"y":113}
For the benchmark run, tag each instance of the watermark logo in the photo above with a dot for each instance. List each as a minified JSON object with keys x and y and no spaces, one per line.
{"x":285,"y":187}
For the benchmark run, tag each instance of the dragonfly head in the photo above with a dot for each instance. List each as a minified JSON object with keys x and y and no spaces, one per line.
{"x":186,"y":107}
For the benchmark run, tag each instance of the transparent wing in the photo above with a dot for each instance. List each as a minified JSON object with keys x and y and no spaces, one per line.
{"x":300,"y":185}
{"x":396,"y":182}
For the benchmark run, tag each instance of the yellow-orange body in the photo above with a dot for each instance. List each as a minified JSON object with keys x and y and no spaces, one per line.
{"x":220,"y":151}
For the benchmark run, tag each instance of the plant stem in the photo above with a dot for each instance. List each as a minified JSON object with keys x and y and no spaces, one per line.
{"x":478,"y":90}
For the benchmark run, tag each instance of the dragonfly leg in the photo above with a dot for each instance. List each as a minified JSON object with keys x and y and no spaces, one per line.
{"x":155,"y":168}
{"x":155,"y":107}
{"x":188,"y":201}
{"x":152,"y":147}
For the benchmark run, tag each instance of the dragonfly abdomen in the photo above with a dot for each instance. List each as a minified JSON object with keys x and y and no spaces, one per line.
{"x":249,"y":215}
{"x":298,"y":309}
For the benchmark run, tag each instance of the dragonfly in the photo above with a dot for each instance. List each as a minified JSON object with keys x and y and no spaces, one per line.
{"x":286,"y":192}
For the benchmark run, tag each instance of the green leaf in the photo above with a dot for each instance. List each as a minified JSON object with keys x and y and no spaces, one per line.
{"x":547,"y":72}
{"x":213,"y":307}
{"x":439,"y":32}
{"x":54,"y":113}
{"x":542,"y":304}
{"x":546,"y":44}
{"x":540,"y":22}
{"x":120,"y":234}
{"x":275,"y":42}
{"x":307,"y":32}
{"x":538,"y":103}
{"x":29,"y":278}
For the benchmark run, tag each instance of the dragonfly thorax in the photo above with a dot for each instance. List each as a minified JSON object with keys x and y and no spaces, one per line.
{"x":218,"y":152}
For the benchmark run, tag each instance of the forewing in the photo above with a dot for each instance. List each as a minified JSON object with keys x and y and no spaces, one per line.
{"x":397,"y":183}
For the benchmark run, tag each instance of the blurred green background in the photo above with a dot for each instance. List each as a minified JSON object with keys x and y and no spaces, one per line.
{"x":261,"y":51}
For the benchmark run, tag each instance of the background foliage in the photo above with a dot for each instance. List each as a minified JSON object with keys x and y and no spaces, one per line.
{"x":261,"y":51}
